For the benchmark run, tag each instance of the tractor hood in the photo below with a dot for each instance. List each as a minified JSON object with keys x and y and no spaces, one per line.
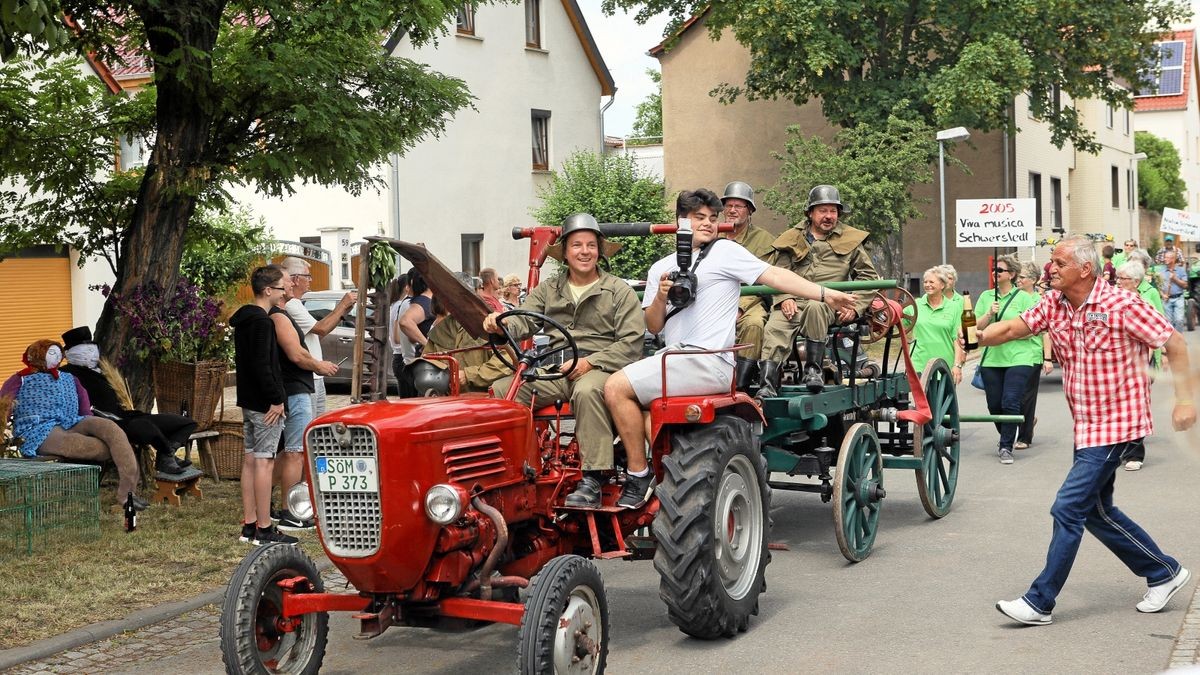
{"x":462,"y":302}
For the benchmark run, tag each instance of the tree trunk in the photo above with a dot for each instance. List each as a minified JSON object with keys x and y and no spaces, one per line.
{"x":889,"y":258}
{"x":181,"y":37}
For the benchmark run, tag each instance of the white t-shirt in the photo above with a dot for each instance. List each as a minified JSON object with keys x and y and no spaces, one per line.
{"x":295,"y":309}
{"x":396,"y":337}
{"x":711,"y":321}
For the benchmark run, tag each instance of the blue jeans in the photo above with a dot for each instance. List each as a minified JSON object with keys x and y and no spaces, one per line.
{"x":1005,"y":387}
{"x":1174,"y":307}
{"x":299,"y":414}
{"x":1086,"y":500}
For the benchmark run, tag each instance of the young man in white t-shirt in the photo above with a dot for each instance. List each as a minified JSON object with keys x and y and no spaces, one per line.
{"x":721,"y":266}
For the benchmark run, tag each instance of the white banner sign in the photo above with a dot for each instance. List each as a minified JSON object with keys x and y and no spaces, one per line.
{"x":995,"y":222}
{"x":1183,"y":223}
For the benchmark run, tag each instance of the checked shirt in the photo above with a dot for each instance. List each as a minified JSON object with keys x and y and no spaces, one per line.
{"x":1103,"y":347}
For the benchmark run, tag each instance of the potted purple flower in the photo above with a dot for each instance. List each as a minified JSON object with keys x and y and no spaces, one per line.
{"x":182,"y":332}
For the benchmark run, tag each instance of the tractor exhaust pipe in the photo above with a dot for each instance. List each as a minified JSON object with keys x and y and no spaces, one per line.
{"x":489,"y":565}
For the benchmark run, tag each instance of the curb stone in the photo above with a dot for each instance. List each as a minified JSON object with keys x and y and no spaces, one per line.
{"x":103,"y":630}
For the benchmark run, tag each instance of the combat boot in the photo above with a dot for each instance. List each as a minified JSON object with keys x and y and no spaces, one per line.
{"x":814,"y":358}
{"x":768,"y":379}
{"x":165,"y":462}
{"x":745,"y":373}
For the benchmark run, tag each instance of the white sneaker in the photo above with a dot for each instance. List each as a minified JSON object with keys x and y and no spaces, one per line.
{"x":1018,"y":610}
{"x":1133,"y":465}
{"x":1158,"y":596}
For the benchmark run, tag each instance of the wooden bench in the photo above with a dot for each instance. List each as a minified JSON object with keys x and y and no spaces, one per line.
{"x":170,"y":486}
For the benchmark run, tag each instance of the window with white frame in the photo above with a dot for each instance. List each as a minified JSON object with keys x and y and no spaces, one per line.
{"x":1115,"y":187}
{"x":1163,"y":73}
{"x":1108,"y":115}
{"x":135,"y":152}
{"x":1127,"y":121}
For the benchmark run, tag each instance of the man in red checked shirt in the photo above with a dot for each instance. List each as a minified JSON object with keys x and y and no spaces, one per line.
{"x":1102,"y":336}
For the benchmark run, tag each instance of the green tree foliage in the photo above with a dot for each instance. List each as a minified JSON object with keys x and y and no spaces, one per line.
{"x":873,"y":168}
{"x":220,"y":249}
{"x":58,"y":128}
{"x":613,"y":189}
{"x":648,"y":122}
{"x":248,"y":91}
{"x":26,"y":23}
{"x":1159,"y":183}
{"x":959,"y":63}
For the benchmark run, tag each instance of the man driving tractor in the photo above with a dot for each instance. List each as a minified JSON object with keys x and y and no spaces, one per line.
{"x":603,"y":315}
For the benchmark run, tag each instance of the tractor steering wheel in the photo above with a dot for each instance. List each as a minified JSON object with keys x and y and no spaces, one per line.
{"x":531,"y":358}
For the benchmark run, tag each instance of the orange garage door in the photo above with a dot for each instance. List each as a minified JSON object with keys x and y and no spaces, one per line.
{"x":35,"y":303}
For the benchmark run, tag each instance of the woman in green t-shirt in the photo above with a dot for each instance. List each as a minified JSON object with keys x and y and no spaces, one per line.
{"x":1006,"y":368}
{"x":1131,"y":276}
{"x":935,"y":334}
{"x":1042,"y":365}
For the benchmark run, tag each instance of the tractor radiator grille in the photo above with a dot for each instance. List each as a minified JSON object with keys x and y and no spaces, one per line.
{"x":471,"y":461}
{"x":350,"y":521}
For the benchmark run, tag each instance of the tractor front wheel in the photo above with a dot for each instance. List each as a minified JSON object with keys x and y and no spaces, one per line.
{"x":565,"y":625}
{"x":712,"y":528}
{"x":255,"y":636}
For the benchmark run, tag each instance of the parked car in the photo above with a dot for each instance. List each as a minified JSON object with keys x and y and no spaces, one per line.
{"x":338,"y":344}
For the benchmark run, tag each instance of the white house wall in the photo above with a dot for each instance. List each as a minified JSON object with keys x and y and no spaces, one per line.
{"x":477,"y":178}
{"x":1034,"y":152}
{"x":1092,"y":209}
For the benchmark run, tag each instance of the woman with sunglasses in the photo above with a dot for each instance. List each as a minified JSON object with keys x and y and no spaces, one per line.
{"x":1006,"y":368}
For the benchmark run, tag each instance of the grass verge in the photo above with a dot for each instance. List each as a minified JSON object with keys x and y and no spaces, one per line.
{"x":175,"y":553}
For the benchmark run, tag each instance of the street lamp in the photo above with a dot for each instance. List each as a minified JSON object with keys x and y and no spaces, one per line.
{"x":1133,"y":206}
{"x":955,"y":134}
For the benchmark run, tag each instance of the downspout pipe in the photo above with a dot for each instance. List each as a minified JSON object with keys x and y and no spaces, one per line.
{"x":602,"y":111}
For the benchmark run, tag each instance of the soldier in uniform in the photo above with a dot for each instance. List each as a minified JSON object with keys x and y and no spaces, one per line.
{"x":477,"y":369}
{"x":604,"y":316}
{"x":738,"y":203}
{"x":825,"y":250}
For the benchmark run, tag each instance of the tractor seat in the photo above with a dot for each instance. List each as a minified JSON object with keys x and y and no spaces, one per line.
{"x":549,"y":411}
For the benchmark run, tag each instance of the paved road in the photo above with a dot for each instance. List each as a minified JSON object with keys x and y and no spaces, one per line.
{"x":922,"y":602}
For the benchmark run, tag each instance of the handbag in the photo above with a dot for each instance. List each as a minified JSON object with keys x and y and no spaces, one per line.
{"x":977,"y":381}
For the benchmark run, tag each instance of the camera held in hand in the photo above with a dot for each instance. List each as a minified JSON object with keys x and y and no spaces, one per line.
{"x":683,"y":292}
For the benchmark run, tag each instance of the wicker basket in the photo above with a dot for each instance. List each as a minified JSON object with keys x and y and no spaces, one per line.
{"x":192,"y":389}
{"x":229,"y":448}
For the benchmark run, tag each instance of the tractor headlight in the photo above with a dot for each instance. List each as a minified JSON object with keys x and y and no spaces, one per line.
{"x":444,"y":504}
{"x":298,"y":502}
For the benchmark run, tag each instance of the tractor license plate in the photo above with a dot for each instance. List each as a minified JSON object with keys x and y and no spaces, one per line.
{"x":347,"y":474}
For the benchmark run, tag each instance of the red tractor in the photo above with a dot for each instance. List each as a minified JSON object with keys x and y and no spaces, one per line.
{"x":448,"y":512}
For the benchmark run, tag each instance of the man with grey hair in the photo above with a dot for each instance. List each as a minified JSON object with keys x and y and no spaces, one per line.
{"x":1102,"y":336}
{"x":1173,"y":282}
{"x":313,"y":330}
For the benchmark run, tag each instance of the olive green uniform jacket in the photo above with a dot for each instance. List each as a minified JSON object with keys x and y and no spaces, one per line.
{"x":480,"y":366}
{"x":838,"y":257}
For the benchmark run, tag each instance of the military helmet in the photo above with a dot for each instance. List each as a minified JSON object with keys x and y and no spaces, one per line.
{"x":824,"y":194}
{"x":739,"y":190}
{"x":428,"y":379}
{"x":577,"y":222}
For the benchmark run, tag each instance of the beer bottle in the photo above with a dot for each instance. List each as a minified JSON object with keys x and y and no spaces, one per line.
{"x":130,"y":514}
{"x":970,"y":339}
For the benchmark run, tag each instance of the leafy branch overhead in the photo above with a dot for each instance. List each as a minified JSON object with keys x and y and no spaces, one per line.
{"x":959,"y":63}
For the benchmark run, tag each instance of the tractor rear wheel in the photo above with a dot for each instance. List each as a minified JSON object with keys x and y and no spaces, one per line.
{"x":565,"y":625}
{"x":712,"y":527}
{"x":253,"y":635}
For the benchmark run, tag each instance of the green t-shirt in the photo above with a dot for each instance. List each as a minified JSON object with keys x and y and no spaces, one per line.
{"x":935,"y":331}
{"x":1024,"y":352}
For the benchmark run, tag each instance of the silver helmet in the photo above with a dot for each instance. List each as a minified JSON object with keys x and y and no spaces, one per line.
{"x":428,"y":379}
{"x":577,"y":222}
{"x":739,"y":190}
{"x":824,"y":194}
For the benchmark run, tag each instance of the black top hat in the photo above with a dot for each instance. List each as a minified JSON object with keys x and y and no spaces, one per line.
{"x":77,"y":336}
